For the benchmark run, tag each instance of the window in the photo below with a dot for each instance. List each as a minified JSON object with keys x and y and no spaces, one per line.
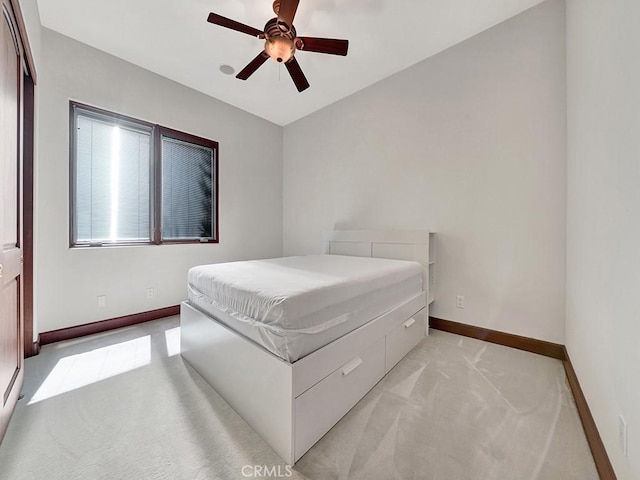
{"x":133,"y":182}
{"x":187,"y":186}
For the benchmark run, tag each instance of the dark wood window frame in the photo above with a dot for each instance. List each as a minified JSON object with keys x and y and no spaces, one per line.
{"x":157,"y":132}
{"x":164,"y":132}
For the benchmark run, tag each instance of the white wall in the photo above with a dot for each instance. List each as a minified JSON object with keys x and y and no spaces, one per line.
{"x":603,"y":233}
{"x":250,"y":180}
{"x":469,"y":143}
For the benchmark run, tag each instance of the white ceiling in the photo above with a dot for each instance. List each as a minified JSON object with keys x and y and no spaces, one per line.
{"x":173,"y":39}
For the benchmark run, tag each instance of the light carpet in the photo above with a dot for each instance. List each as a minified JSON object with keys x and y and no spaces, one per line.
{"x":125,"y":405}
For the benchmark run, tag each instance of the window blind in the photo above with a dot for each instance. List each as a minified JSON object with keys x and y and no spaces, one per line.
{"x":112,"y":182}
{"x":187,"y":190}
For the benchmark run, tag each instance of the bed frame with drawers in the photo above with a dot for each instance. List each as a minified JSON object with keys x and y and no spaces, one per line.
{"x":292,"y":405}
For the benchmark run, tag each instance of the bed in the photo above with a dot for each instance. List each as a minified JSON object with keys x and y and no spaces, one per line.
{"x":292,"y":344}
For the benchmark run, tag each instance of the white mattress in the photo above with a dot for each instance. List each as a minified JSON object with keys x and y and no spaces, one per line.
{"x":295,"y":305}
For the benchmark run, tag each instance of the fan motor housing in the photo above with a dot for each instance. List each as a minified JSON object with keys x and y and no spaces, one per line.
{"x":280,"y":40}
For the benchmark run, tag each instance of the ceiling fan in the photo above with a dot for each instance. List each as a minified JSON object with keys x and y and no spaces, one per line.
{"x":282,"y":41}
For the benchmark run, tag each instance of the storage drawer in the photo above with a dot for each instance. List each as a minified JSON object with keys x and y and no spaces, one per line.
{"x":404,"y":337}
{"x":319,"y":408}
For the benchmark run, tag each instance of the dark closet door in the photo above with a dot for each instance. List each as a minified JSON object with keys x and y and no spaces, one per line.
{"x":11,"y":330}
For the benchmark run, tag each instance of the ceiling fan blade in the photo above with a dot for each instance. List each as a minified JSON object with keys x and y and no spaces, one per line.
{"x":322,"y":45}
{"x":287,"y":11}
{"x":296,"y":74}
{"x":233,"y":25}
{"x":253,"y":66}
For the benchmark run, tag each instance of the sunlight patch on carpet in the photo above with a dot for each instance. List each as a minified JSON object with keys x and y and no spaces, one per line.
{"x":77,"y":371}
{"x":172,"y":337}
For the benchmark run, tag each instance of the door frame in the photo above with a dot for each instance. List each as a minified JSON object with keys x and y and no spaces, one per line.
{"x":27,"y":147}
{"x":31,"y":346}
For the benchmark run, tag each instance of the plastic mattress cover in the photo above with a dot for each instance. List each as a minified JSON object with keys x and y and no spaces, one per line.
{"x":287,"y":295}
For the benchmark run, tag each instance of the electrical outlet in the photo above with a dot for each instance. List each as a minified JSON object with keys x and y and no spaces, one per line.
{"x":460,"y":301}
{"x":622,"y":434}
{"x":102,"y":301}
{"x":149,"y":292}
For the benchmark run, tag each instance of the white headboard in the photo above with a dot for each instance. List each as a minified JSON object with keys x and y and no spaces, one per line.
{"x":396,"y":244}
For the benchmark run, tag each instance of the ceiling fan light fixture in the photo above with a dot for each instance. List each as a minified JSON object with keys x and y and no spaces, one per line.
{"x":280,"y":49}
{"x":282,"y":41}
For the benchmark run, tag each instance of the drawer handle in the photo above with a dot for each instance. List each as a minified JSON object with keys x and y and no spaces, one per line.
{"x":351,"y":366}
{"x":409,"y":322}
